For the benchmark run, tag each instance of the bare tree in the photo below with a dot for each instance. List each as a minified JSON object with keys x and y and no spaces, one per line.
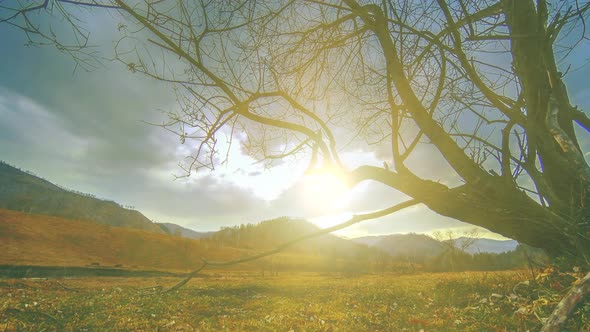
{"x":478,"y":85}
{"x":455,"y":246}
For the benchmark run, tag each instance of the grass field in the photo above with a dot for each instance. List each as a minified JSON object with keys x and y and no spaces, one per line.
{"x":473,"y":301}
{"x":39,"y":240}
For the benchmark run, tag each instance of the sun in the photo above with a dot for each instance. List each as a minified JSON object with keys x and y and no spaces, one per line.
{"x":325,"y":189}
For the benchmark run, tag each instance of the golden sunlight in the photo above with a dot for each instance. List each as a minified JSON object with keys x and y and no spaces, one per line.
{"x":325,"y":189}
{"x":331,"y":220}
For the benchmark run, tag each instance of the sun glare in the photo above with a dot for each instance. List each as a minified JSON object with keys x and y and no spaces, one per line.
{"x":331,"y":220}
{"x":325,"y":189}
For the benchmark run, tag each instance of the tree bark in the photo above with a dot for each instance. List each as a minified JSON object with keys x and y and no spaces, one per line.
{"x":559,"y":316}
{"x":549,"y":123}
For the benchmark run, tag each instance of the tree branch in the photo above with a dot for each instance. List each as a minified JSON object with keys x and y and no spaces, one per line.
{"x":581,"y":119}
{"x":373,"y":16}
{"x":354,"y":220}
{"x":496,"y":100}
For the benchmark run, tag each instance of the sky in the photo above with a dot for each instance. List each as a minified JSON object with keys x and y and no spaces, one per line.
{"x":89,"y":131}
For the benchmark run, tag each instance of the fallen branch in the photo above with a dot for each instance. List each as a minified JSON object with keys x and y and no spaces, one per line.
{"x":354,"y":220}
{"x":569,"y":302}
{"x":187,"y":279}
{"x":68,"y":288}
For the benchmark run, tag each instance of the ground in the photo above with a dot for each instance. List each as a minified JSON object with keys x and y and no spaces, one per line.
{"x":233,"y":301}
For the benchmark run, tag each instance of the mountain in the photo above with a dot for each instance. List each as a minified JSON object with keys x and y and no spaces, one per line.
{"x":404,"y":245}
{"x":272,"y":233}
{"x":368,"y":240}
{"x":489,"y":245}
{"x":325,"y":253}
{"x":25,"y":192}
{"x":425,"y":246}
{"x":177,"y":230}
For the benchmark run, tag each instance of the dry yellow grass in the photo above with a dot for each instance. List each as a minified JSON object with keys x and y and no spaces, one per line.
{"x":52,"y":241}
{"x":41,"y":240}
{"x":473,"y":301}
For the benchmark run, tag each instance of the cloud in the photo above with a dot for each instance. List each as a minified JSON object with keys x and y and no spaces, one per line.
{"x":35,"y":138}
{"x":205,"y":203}
{"x":30,"y":130}
{"x":85,"y":131}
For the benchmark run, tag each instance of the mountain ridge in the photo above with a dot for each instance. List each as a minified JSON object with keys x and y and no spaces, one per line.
{"x":489,"y":245}
{"x":25,"y":192}
{"x":177,"y":230}
{"x":399,"y":244}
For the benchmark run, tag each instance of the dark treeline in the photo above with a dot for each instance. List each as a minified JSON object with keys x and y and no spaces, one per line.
{"x":523,"y":256}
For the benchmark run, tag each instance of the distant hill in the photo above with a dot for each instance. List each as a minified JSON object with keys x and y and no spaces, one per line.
{"x":177,"y":230}
{"x":424,"y":246}
{"x":26,"y":192}
{"x":268,"y":234}
{"x":271,"y":233}
{"x":368,"y":240}
{"x":489,"y":245}
{"x":405,"y":245}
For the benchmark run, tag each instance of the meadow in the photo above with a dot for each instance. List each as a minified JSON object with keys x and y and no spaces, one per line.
{"x":246,"y":301}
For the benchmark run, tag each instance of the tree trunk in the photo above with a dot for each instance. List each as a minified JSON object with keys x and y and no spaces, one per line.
{"x":549,"y":124}
{"x":494,"y":204}
{"x":512,"y":213}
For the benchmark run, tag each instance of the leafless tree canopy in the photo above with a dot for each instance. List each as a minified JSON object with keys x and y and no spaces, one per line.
{"x":477,"y":83}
